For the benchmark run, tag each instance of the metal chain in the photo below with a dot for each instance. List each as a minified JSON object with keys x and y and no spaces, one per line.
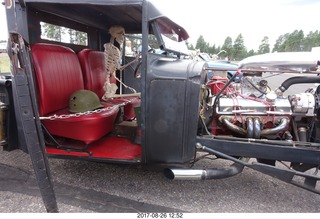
{"x":66,"y":116}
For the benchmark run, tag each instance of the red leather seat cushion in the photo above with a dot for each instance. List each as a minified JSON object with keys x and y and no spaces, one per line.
{"x":58,"y":73}
{"x":131,"y":102}
{"x":87,"y":128}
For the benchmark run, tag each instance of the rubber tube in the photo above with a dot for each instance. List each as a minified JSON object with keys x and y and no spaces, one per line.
{"x":298,"y":80}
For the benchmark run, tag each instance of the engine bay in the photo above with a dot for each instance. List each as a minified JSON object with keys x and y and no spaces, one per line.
{"x":251,"y":109}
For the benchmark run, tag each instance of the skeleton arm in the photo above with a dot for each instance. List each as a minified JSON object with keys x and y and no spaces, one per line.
{"x":112,"y":63}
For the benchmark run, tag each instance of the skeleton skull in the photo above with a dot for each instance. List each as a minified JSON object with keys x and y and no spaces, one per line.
{"x":117,"y":33}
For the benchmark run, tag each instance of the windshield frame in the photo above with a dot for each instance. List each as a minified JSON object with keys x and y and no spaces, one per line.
{"x":171,"y":36}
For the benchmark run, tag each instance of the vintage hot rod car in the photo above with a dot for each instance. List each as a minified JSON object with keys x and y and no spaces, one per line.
{"x":73,"y":93}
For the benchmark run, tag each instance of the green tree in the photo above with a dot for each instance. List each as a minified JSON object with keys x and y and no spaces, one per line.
{"x":279,"y":46}
{"x":290,"y":42}
{"x":72,"y":36}
{"x":153,"y":43}
{"x":190,"y":46}
{"x":311,"y":40}
{"x":294,"y":42}
{"x":201,"y":44}
{"x":53,"y":32}
{"x":227,"y":46}
{"x":265,"y":46}
{"x":239,"y":50}
{"x":81,"y":38}
{"x":212,"y":49}
{"x":250,"y":53}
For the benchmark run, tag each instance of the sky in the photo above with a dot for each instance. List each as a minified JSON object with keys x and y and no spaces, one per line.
{"x":217,"y":19}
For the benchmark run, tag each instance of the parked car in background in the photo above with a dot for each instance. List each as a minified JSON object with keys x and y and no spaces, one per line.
{"x":225,"y":68}
{"x":297,"y":62}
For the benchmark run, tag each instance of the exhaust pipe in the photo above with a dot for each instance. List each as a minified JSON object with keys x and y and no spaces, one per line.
{"x":232,"y":126}
{"x":250,"y":128}
{"x":184,"y":174}
{"x":212,"y":173}
{"x":272,"y":131}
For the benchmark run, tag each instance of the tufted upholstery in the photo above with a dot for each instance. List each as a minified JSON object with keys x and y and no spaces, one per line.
{"x":58,"y":74}
{"x":94,"y":74}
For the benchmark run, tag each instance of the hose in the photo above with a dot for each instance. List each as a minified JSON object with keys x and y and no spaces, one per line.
{"x":298,"y":80}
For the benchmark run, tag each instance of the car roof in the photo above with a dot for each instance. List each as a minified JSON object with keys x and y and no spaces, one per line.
{"x":101,"y":13}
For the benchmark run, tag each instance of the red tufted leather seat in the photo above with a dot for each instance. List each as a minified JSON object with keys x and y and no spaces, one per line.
{"x":94,"y":74}
{"x":58,"y":74}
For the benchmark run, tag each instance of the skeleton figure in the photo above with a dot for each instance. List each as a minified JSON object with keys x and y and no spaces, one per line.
{"x":112,"y":60}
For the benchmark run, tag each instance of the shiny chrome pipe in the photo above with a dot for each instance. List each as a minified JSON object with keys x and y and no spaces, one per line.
{"x":250,"y":128}
{"x":272,"y":131}
{"x":211,"y":173}
{"x":184,"y":174}
{"x":256,"y":128}
{"x":233,"y":127}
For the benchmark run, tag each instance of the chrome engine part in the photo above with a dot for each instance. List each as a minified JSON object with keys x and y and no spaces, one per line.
{"x":251,"y":109}
{"x":303,"y":103}
{"x":246,"y":105}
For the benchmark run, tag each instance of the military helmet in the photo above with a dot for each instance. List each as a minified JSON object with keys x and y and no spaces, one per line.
{"x":84,"y":100}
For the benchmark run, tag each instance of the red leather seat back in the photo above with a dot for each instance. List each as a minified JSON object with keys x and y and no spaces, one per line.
{"x":94,"y":71}
{"x":58,"y":74}
{"x":94,"y":74}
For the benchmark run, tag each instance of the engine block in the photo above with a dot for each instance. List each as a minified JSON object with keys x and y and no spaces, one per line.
{"x":251,"y":109}
{"x":248,"y":106}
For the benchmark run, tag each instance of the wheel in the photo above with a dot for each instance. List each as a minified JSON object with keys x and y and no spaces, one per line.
{"x":137,"y":72}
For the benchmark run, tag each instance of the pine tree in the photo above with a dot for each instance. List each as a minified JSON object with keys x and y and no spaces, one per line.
{"x":239,"y":50}
{"x":265,"y":46}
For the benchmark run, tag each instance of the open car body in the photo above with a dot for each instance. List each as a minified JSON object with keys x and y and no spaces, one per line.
{"x":172,"y":112}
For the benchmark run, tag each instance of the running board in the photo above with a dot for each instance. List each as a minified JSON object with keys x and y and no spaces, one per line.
{"x":285,"y":175}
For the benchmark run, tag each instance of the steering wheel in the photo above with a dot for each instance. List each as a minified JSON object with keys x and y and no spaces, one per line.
{"x":137,"y":72}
